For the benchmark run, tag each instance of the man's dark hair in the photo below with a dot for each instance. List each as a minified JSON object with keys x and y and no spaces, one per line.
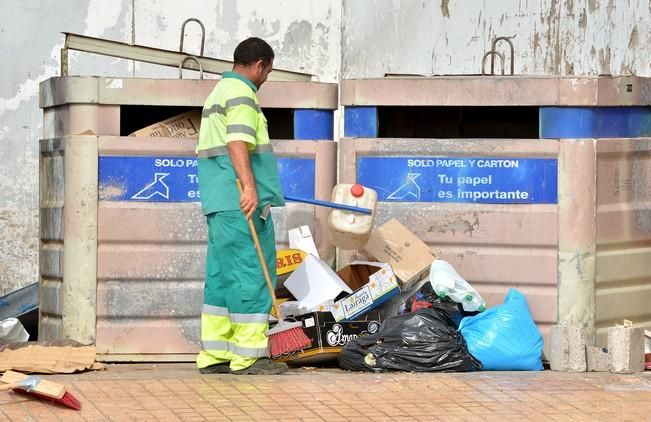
{"x":251,"y":50}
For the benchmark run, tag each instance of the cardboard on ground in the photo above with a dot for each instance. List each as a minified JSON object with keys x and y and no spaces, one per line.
{"x":329,"y":336}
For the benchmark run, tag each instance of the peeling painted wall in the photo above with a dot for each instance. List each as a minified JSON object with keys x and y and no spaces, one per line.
{"x":305,"y":36}
{"x":330,"y":38}
{"x":30,"y":40}
{"x":555,"y":37}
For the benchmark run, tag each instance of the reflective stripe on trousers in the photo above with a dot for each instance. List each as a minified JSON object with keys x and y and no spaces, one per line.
{"x":235,"y":313}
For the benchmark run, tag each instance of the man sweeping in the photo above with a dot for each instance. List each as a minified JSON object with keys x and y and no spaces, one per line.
{"x":234,"y":144}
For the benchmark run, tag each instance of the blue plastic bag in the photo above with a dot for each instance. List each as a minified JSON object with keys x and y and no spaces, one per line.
{"x":505,"y":338}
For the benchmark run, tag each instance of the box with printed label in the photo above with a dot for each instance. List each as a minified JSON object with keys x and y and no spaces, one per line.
{"x":287,"y":260}
{"x":329,"y":337}
{"x":329,"y":306}
{"x":185,"y":125}
{"x":373,"y":282}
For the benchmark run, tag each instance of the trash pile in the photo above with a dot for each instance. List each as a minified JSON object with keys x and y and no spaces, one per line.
{"x":402,"y":310}
{"x":20,"y":357}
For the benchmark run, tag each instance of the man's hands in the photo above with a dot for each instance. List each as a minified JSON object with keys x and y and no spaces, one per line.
{"x":249,"y":201}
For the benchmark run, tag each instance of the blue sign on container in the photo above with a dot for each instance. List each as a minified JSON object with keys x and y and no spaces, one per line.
{"x":465,"y":180}
{"x":174,"y":179}
{"x":297,"y":176}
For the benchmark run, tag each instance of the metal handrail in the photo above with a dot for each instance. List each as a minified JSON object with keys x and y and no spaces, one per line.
{"x":493,"y":48}
{"x":491,"y":53}
{"x":198,"y":64}
{"x":203,"y":34}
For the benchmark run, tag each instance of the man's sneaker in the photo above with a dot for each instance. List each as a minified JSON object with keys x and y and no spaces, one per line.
{"x":263,"y":366}
{"x":218,"y":368}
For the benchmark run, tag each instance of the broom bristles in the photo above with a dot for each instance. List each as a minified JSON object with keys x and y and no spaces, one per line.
{"x":289,"y":340}
{"x":67,"y":400}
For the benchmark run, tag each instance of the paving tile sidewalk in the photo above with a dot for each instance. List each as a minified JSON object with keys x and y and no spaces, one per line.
{"x":171,"y":392}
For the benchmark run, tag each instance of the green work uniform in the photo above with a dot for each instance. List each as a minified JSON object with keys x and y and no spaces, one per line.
{"x":236,"y":306}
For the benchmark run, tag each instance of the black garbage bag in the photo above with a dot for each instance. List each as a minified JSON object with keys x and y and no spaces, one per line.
{"x":426,"y":297}
{"x":421,"y":341}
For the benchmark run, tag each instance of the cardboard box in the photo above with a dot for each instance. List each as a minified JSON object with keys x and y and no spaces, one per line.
{"x":329,"y":337}
{"x":374,"y":284}
{"x":329,"y":306}
{"x":291,"y":309}
{"x":287,"y":260}
{"x":185,"y":125}
{"x":394,"y":244}
{"x":301,"y":238}
{"x":366,"y":286}
{"x":314,"y":283}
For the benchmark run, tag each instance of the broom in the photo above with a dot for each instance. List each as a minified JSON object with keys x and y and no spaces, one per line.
{"x":34,"y":386}
{"x":285,"y":337}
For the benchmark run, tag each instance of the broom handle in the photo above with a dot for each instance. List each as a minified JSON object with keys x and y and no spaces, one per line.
{"x":334,"y":205}
{"x":256,"y":241}
{"x":9,"y":387}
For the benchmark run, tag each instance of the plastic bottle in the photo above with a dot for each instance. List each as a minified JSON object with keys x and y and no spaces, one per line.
{"x":448,"y":283}
{"x":474,"y":302}
{"x":347,"y":229}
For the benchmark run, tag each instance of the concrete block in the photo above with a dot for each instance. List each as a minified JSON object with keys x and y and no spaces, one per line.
{"x":625,"y":349}
{"x":568,"y":347}
{"x":596,"y":359}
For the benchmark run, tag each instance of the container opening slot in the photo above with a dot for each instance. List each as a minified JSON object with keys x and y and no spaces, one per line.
{"x":458,"y":122}
{"x":136,"y":117}
{"x":280,"y":122}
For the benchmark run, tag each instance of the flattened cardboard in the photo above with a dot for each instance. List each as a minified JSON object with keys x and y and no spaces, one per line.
{"x":61,"y":357}
{"x":185,"y":125}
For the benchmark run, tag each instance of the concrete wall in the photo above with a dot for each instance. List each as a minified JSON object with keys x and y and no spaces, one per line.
{"x":329,"y":38}
{"x":572,"y":37}
{"x":305,"y":36}
{"x":30,"y":40}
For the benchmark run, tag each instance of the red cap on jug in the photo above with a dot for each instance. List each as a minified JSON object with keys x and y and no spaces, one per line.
{"x":357,"y":190}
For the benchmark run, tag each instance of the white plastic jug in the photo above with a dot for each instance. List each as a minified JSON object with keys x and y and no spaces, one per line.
{"x":347,"y":229}
{"x":448,"y":283}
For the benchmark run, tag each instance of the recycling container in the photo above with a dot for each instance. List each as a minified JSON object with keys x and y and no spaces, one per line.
{"x":538,"y":183}
{"x":123,"y":238}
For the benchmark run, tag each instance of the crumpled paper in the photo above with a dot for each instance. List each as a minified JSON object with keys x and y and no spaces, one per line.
{"x":12,"y":331}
